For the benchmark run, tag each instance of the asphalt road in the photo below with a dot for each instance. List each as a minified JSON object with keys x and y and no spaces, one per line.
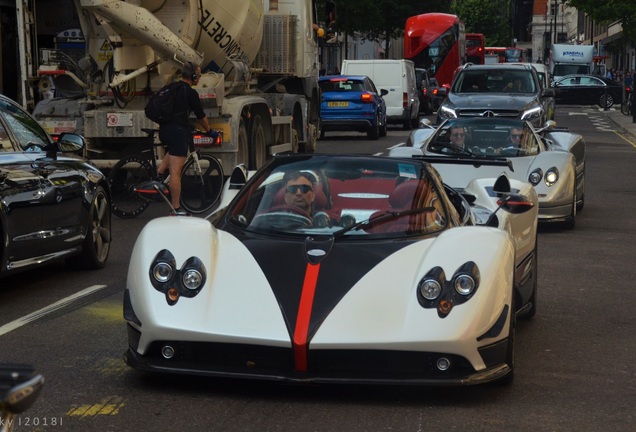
{"x":574,"y":360}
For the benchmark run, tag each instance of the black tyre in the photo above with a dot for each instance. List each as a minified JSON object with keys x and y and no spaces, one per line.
{"x":625,"y":108}
{"x":533,"y":298}
{"x":570,"y":222}
{"x":383,"y":129}
{"x":201,"y":185}
{"x":258,"y":150}
{"x":374,"y":131}
{"x":606,"y":101}
{"x":406,"y":125}
{"x":125,"y":175}
{"x":428,"y":107}
{"x":510,"y":350}
{"x":98,"y":235}
{"x":242,"y":157}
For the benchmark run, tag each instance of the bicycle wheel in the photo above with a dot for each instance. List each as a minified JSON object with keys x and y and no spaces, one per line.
{"x":201,"y":185}
{"x":625,"y":107}
{"x":125,"y":175}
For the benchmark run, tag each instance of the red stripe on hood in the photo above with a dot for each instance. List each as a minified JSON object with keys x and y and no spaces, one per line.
{"x":303,"y":317}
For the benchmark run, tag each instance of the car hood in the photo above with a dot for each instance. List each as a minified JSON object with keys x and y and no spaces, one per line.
{"x":501,"y":101}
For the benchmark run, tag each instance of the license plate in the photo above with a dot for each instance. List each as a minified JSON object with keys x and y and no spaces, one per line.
{"x":337,"y":104}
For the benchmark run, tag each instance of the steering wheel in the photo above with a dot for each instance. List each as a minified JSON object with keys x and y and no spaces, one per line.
{"x":510,"y":151}
{"x":283,"y":216}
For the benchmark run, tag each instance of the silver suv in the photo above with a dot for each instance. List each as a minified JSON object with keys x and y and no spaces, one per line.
{"x":501,"y":90}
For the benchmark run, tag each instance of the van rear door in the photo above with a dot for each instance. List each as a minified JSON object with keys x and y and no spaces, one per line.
{"x":390,"y":76}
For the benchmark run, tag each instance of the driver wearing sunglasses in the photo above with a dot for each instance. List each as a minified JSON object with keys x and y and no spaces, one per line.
{"x":299,"y":190}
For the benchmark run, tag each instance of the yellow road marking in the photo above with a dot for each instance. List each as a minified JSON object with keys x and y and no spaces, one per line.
{"x":624,"y":136}
{"x":107,"y":406}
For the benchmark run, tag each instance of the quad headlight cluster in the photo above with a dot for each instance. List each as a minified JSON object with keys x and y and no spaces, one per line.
{"x":175,"y":282}
{"x":434,"y":291}
{"x":551,"y":176}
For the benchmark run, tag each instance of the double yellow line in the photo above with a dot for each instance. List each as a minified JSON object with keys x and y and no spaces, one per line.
{"x":626,"y":137}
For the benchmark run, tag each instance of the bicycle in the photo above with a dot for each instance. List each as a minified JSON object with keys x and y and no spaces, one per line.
{"x":133,"y":185}
{"x":626,"y":106}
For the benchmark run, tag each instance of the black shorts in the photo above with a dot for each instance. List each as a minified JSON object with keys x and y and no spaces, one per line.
{"x":177,"y":138}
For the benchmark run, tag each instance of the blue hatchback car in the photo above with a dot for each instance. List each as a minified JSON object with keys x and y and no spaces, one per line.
{"x":352,"y":103}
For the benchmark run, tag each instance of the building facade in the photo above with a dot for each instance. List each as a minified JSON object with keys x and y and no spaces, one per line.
{"x":553,"y":21}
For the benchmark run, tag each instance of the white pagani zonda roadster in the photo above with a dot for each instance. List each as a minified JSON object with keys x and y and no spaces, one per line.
{"x":551,"y":158}
{"x":391,"y":277}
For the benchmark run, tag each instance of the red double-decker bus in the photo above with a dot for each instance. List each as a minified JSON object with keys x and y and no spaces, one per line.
{"x":436,"y":42}
{"x":475,"y":44}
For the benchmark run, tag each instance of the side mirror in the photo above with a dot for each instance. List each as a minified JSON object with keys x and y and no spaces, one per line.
{"x":515,"y":203}
{"x":22,"y":396}
{"x":502,"y":185}
{"x":548,"y":92}
{"x":70,"y":143}
{"x":384,"y":92}
{"x":547,"y":126}
{"x":238,"y":178}
{"x":424,"y":123}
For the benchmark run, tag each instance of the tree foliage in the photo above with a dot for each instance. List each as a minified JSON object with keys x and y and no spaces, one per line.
{"x":382,"y":19}
{"x":491,"y":18}
{"x":608,"y":11}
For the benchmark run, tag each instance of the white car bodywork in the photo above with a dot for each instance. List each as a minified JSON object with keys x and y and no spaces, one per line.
{"x":239,"y":321}
{"x":557,"y":149}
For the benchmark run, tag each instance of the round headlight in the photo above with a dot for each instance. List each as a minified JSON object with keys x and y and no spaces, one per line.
{"x":162,"y":272}
{"x":464,"y":285}
{"x":551,"y":176}
{"x":430,"y":289}
{"x":535,"y":177}
{"x":192,"y":279}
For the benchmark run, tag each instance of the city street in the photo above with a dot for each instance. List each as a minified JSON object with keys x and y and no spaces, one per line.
{"x":574,"y":359}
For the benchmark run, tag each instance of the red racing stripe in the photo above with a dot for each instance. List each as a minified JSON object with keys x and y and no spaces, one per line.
{"x":303,"y":317}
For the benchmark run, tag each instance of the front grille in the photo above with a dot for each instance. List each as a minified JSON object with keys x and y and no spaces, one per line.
{"x":219,"y":358}
{"x":488,"y":113}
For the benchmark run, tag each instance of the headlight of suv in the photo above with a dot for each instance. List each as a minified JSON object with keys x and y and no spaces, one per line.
{"x":533,"y":113}
{"x":446,"y":112}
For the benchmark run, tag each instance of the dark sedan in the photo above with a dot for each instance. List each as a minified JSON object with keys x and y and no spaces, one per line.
{"x":425,"y":90}
{"x":587,"y":90}
{"x":54,"y":205}
{"x":352,"y":103}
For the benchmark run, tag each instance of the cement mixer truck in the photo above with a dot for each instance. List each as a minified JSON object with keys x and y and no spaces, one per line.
{"x":259,"y":84}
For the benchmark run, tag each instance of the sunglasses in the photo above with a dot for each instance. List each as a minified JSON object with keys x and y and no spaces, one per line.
{"x":457,"y":134}
{"x":303,"y":189}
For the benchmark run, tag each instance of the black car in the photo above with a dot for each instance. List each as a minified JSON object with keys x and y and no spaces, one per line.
{"x":588,"y":90}
{"x":425,"y":91}
{"x":498,"y":90}
{"x":54,"y":205}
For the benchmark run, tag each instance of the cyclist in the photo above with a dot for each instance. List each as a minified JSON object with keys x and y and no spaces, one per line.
{"x":177,"y":133}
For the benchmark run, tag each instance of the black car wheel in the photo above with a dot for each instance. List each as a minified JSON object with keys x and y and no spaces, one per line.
{"x":98,"y":235}
{"x":606,"y":101}
{"x":533,"y":298}
{"x":570,"y":221}
{"x":383,"y":129}
{"x":374,"y":131}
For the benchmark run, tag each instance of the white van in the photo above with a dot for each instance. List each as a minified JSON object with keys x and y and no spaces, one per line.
{"x":398,"y":78}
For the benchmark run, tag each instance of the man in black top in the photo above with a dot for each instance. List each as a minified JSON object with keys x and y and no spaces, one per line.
{"x":177,"y":133}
